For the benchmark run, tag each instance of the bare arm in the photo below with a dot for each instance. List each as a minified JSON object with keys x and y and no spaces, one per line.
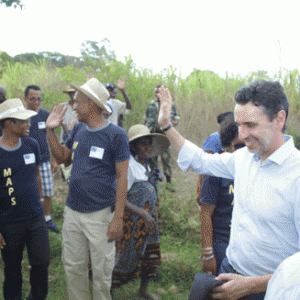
{"x":115,"y":230}
{"x":121,"y":87}
{"x":65,"y":129}
{"x":164,"y":119}
{"x":149,"y":221}
{"x":206,"y":229}
{"x":60,"y":153}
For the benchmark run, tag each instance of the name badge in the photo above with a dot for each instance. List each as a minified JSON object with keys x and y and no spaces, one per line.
{"x":29,"y":158}
{"x":96,"y":152}
{"x":41,"y":125}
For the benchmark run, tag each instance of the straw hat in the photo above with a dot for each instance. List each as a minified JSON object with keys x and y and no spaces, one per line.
{"x":69,"y":90}
{"x":95,"y":90}
{"x":160,"y":142}
{"x":14,"y":108}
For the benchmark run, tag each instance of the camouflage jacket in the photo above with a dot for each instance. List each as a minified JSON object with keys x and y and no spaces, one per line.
{"x":152,"y":115}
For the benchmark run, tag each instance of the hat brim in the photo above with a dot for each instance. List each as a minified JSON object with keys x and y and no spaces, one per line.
{"x":160,"y":143}
{"x":90,"y":95}
{"x":69,"y":91}
{"x":20,"y":115}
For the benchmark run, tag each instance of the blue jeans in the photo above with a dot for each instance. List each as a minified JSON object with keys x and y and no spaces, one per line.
{"x":227,"y":268}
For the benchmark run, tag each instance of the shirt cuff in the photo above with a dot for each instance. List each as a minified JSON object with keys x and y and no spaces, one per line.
{"x":186,"y":155}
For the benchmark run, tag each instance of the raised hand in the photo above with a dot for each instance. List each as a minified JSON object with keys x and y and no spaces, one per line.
{"x":90,"y":76}
{"x":56,"y":117}
{"x":121,"y":83}
{"x":164,"y":116}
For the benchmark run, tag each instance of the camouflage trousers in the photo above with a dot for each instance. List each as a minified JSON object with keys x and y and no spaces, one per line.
{"x":166,"y":162}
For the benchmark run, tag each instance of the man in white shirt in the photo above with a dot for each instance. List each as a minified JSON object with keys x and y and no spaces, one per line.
{"x":266,"y":216}
{"x":120,"y":108}
{"x":285,"y":282}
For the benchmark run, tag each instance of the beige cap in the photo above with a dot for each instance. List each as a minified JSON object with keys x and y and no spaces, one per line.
{"x":14,"y":108}
{"x":94,"y":90}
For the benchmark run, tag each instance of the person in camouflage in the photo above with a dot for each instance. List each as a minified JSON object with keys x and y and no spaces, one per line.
{"x":150,"y":119}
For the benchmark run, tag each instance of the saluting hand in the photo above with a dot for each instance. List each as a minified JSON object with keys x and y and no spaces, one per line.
{"x":56,"y":117}
{"x":121,"y":83}
{"x":164,"y":116}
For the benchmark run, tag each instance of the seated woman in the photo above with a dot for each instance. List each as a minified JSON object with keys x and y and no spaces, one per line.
{"x":139,"y":249}
{"x":216,"y":205}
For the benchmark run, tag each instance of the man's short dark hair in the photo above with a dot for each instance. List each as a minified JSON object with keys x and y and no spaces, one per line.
{"x":268,"y":94}
{"x":222,"y":116}
{"x":228,"y":130}
{"x":31,"y":87}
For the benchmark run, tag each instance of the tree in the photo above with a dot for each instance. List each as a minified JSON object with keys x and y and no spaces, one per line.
{"x":98,"y":57}
{"x":9,"y":3}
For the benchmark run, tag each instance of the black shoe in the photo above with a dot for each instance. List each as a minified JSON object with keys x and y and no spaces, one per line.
{"x":52,"y":226}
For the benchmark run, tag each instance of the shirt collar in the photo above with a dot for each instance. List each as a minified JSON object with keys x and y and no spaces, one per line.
{"x":282,"y":153}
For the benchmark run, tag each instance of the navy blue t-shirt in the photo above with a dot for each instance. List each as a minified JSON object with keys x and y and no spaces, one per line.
{"x":93,"y":178}
{"x":19,"y":192}
{"x":218,"y":192}
{"x":38,"y":132}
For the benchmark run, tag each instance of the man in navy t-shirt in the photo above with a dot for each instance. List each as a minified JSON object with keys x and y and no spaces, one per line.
{"x":21,"y":212}
{"x":99,"y":152}
{"x":34,"y":100}
{"x":216,"y":204}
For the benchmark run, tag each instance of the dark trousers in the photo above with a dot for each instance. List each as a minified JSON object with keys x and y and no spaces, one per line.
{"x":34,"y":234}
{"x":227,"y":268}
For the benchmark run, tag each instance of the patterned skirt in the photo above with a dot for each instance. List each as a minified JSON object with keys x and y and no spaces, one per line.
{"x":139,"y":251}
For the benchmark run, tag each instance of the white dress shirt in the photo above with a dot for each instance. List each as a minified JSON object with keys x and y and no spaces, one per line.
{"x":285,"y":282}
{"x":266,"y":215}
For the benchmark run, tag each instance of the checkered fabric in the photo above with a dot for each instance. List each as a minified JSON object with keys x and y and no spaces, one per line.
{"x":47,"y":179}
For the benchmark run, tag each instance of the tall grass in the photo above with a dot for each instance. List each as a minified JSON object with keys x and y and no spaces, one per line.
{"x":199,"y":98}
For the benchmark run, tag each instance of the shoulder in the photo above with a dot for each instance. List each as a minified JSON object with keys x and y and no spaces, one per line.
{"x":29,"y":141}
{"x":208,"y":179}
{"x":116,"y":131}
{"x":43,"y":112}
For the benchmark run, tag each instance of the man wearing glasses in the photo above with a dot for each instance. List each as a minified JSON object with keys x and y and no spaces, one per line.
{"x":33,"y":101}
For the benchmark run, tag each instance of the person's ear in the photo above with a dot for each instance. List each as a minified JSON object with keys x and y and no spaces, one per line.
{"x":281,"y":118}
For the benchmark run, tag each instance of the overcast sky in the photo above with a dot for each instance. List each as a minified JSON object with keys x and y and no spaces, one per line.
{"x":226,"y":35}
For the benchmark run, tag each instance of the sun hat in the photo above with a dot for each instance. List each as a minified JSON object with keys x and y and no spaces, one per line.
{"x":14,"y":108}
{"x":213,"y":143}
{"x":95,"y":90}
{"x":160,"y":142}
{"x":69,"y":90}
